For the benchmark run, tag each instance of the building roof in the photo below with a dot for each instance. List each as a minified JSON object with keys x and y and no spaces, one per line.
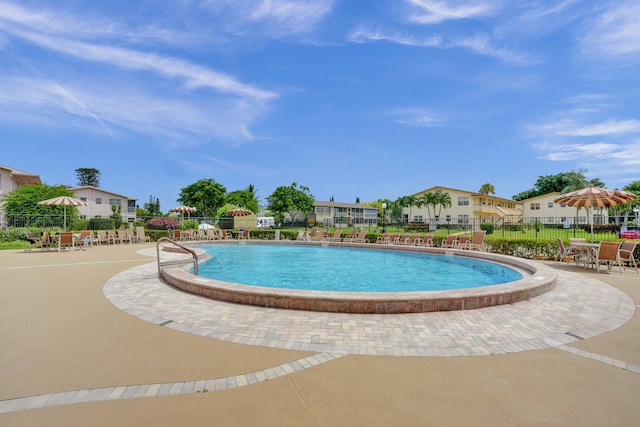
{"x":21,"y":177}
{"x":90,"y":187}
{"x":342,"y":205}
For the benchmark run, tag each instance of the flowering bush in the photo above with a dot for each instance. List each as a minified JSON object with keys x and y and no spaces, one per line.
{"x":162,"y":223}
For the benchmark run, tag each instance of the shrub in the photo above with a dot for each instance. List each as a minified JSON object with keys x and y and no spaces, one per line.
{"x":488,"y":227}
{"x":102,"y":224}
{"x":163,"y":223}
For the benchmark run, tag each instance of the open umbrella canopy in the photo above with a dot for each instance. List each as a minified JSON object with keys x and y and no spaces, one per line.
{"x":594,"y":197}
{"x":63,"y":201}
{"x":239,"y":212}
{"x":591,"y":197}
{"x":183,"y":209}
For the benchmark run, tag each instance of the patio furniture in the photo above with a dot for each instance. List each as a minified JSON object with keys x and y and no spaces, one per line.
{"x":65,"y":240}
{"x":626,"y":255}
{"x":141,"y":236}
{"x":609,"y":254}
{"x":426,"y":241}
{"x":450,"y":242}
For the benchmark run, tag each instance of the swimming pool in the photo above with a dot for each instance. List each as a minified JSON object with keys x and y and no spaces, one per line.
{"x":341,"y":269}
{"x":537,"y":279}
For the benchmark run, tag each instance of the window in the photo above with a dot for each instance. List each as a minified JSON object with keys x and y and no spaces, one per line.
{"x":550,"y":204}
{"x":535,"y":206}
{"x":98,"y":201}
{"x":463,"y":201}
{"x":463,"y":219}
{"x":418,"y":218}
{"x":84,"y":199}
{"x":115,"y":202}
{"x":324,"y":210}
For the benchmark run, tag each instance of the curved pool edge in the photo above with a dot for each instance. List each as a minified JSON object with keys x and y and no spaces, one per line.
{"x":542,"y":280}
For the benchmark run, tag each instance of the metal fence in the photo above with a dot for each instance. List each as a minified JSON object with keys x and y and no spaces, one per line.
{"x":548,"y":228}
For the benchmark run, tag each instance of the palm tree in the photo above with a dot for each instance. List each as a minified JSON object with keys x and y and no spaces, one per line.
{"x":443,"y":200}
{"x":429,"y":200}
{"x":487,"y":189}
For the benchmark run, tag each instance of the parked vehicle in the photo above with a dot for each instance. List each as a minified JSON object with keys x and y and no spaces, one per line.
{"x":265,"y":222}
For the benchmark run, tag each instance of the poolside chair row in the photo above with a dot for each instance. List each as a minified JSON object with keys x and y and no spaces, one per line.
{"x":207,"y":234}
{"x":453,"y":241}
{"x":323,"y":236}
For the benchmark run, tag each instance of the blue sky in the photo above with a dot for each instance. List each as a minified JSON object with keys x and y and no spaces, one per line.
{"x":354,"y":99}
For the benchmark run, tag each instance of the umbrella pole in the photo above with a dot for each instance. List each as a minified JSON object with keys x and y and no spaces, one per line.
{"x":64,"y":218}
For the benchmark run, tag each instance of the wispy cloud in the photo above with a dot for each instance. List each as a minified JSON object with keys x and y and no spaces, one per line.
{"x":363,"y":34}
{"x":615,"y":33}
{"x":416,"y":117}
{"x":274,"y":18}
{"x":569,"y":127}
{"x":434,"y":11}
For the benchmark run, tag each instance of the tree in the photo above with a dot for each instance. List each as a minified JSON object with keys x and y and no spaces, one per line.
{"x":429,"y":200}
{"x":292,"y":199}
{"x":206,"y":195}
{"x":88,"y":177}
{"x":487,"y":189}
{"x":243,"y":199}
{"x":152,"y":208}
{"x":24,"y":201}
{"x":443,"y":200}
{"x":562,"y":183}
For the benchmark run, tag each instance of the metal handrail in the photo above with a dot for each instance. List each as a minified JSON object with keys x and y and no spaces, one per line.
{"x":193,"y":253}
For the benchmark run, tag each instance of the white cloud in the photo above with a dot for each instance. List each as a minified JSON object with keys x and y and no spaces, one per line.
{"x":569,"y":127}
{"x":362,"y":35}
{"x":275,"y":18}
{"x":97,"y":107}
{"x":415,"y":117}
{"x":615,"y":33}
{"x":482,"y":44}
{"x":434,"y":11}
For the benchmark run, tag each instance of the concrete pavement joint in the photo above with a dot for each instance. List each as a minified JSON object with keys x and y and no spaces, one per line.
{"x":135,"y":391}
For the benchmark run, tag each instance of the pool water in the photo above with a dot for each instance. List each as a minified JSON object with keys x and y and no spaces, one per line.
{"x":348,"y":269}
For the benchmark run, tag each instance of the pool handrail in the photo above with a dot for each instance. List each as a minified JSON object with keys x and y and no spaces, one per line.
{"x":193,"y":253}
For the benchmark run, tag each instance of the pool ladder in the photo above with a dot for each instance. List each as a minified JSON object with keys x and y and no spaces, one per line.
{"x":194,"y":256}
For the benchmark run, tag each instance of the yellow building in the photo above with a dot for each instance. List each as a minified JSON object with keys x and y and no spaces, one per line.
{"x":468,"y":207}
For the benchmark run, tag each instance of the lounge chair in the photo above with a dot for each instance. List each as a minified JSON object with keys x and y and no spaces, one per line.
{"x":426,"y":241}
{"x":87,"y":238}
{"x":393,"y":239}
{"x":101,"y":237}
{"x":113,"y":238}
{"x":244,"y":234}
{"x":141,"y":235}
{"x":32,"y":240}
{"x":402,"y":239}
{"x":336,"y":236}
{"x":65,"y":240}
{"x":626,"y":255}
{"x":225,"y":235}
{"x":123,"y":236}
{"x":312,"y":234}
{"x":383,"y":239}
{"x":412,"y":240}
{"x":463,"y":242}
{"x":609,"y":254}
{"x":360,"y":237}
{"x":202,"y":234}
{"x":212,"y":234}
{"x":302,"y":235}
{"x":450,"y":242}
{"x":477,"y":243}
{"x":564,"y":252}
{"x":321,"y":235}
{"x":45,"y":240}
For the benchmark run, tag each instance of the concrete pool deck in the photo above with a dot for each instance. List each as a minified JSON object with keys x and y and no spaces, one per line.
{"x":69,"y":356}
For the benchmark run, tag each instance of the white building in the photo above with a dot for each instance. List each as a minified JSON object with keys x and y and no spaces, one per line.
{"x":12,"y":179}
{"x":100,"y":202}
